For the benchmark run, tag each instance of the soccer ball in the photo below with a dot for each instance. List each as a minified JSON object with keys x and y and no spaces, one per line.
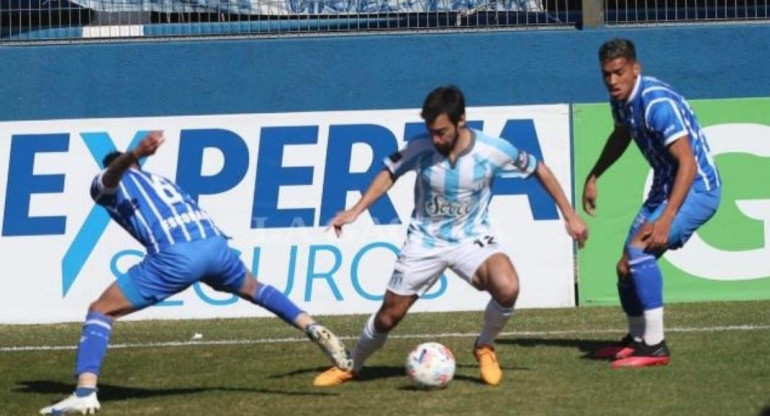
{"x":430,"y":365}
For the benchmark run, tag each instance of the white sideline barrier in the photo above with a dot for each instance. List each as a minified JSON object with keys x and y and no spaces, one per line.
{"x":52,"y":270}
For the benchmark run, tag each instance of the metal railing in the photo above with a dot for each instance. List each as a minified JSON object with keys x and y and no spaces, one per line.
{"x":684,"y":11}
{"x":66,"y":20}
{"x":24,"y":20}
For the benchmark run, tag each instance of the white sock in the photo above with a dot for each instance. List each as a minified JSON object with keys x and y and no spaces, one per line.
{"x":653,"y":326}
{"x":368,"y":342}
{"x":636,"y":327}
{"x":495,"y":318}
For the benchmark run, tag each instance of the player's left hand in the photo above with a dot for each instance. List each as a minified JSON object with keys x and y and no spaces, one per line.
{"x":342,"y":218}
{"x":657,"y":239}
{"x":577,"y":229}
{"x":590,"y":193}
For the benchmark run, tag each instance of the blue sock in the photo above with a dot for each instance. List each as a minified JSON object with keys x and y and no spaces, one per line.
{"x":647,"y":277}
{"x":628,"y":298}
{"x":276,"y":302}
{"x":84,"y":391}
{"x":93,"y":343}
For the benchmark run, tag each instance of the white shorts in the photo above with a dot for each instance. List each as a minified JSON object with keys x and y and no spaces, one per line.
{"x":418,"y":268}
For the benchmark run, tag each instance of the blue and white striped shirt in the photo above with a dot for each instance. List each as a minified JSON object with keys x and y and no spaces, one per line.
{"x":656,"y":116}
{"x":452,"y":200}
{"x":154,"y":210}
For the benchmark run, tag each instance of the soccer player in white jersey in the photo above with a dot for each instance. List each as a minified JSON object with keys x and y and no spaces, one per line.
{"x":450,"y":228}
{"x":685,"y":193}
{"x":183,"y":247}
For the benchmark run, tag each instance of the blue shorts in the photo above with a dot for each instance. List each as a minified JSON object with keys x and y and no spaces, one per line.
{"x":160,"y":275}
{"x":697,"y":208}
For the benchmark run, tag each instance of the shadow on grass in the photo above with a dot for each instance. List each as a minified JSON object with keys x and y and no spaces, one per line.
{"x":412,"y":387}
{"x":368,"y":374}
{"x":302,"y":371}
{"x":586,"y":346}
{"x":502,"y":367}
{"x":380,"y":372}
{"x":109,"y":392}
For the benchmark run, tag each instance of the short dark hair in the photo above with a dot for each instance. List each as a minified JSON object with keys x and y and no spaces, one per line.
{"x":447,"y":100}
{"x":110,"y":157}
{"x":617,"y":48}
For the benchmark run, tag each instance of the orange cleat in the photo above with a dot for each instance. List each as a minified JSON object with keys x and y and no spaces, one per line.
{"x":488,"y":365}
{"x":333,"y":377}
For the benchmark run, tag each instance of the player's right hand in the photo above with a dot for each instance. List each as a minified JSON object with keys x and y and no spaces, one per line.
{"x":342,"y":218}
{"x":577,"y":229}
{"x":149,"y":144}
{"x":589,"y":196}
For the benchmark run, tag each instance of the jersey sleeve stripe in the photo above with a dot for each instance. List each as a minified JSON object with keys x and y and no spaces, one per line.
{"x":675,"y":136}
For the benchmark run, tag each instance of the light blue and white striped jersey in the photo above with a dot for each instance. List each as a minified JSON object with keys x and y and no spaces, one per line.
{"x":153,"y":210}
{"x":656,"y":116}
{"x":451,"y":201}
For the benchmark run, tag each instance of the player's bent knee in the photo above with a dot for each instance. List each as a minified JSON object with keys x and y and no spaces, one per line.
{"x":508,"y":294}
{"x":95,"y":307}
{"x":622,"y":270}
{"x":105,"y":308}
{"x":385,"y":323}
{"x":506,"y":300}
{"x":248,"y":288}
{"x":387,"y":320}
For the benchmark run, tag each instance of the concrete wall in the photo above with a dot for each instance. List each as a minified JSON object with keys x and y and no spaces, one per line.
{"x":366,"y":72}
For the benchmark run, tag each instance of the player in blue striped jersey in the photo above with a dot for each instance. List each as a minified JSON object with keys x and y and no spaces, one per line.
{"x":685,"y":193}
{"x":183,"y":247}
{"x":450,"y":227}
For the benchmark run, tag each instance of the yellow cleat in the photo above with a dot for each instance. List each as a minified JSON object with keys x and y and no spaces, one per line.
{"x":333,"y":377}
{"x":490,"y":369}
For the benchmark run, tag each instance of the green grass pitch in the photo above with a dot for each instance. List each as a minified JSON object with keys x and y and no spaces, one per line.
{"x":720,"y":366}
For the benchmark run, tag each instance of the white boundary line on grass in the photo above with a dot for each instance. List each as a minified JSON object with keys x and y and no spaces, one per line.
{"x":397,"y":336}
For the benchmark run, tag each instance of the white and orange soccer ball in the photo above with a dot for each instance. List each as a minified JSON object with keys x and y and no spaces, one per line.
{"x":430,"y":365}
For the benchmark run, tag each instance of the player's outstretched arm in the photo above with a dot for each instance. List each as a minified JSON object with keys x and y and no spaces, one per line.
{"x":146,"y":147}
{"x":379,"y":186}
{"x":576,"y":227}
{"x":617,"y":143}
